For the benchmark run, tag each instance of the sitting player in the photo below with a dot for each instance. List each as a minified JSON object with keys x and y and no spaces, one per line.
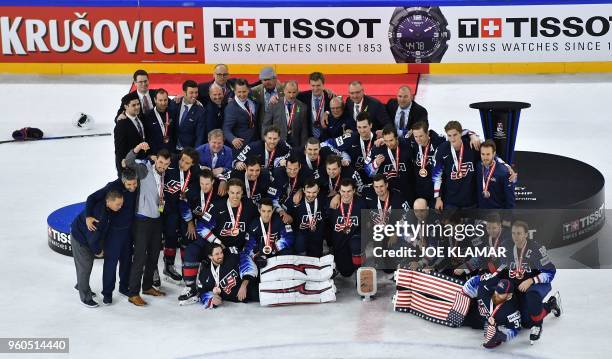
{"x":222,"y":279}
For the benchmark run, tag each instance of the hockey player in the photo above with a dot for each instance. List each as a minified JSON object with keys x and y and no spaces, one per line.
{"x":394,"y":160}
{"x":497,"y":306}
{"x":334,"y":173}
{"x":424,"y":143}
{"x":180,"y":179}
{"x":309,"y":222}
{"x":268,"y":152}
{"x":358,"y":145}
{"x":455,"y":164}
{"x":287,"y":181}
{"x":256,"y":181}
{"x":494,"y":238}
{"x":382,"y":200}
{"x":346,"y":229}
{"x":267,"y":236}
{"x":227,"y":226}
{"x":531,"y":271}
{"x":494,"y":188}
{"x":312,"y":159}
{"x":222,"y":279}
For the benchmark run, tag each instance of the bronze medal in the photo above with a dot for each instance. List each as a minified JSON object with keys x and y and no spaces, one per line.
{"x":423,"y":172}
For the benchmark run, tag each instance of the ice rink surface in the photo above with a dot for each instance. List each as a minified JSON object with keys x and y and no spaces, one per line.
{"x":569,"y":116}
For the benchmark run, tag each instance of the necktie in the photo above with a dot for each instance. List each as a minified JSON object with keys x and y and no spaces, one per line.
{"x":402,"y":120}
{"x":356,"y":112}
{"x":139,"y":127}
{"x":146,"y":105}
{"x":214,"y":160}
{"x":184,"y":116}
{"x":316,"y":131}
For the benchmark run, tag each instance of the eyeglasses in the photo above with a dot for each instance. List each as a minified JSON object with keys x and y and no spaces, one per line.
{"x":225,"y":74}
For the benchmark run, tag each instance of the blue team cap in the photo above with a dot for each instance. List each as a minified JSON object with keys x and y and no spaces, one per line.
{"x":504,"y":286}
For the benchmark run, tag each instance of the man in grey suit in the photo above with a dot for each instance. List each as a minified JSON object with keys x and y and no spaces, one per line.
{"x":290,"y":116}
{"x":240,"y":125}
{"x":269,"y":92}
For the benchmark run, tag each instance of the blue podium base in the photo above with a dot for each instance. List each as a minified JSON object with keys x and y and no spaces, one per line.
{"x":58,"y":227}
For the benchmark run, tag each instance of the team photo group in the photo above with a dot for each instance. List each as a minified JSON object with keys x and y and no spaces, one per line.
{"x":259,"y":191}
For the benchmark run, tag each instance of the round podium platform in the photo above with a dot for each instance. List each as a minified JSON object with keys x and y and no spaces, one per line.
{"x":58,"y":227}
{"x":562,"y":199}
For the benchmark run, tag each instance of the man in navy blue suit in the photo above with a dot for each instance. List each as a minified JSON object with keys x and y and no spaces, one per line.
{"x":240,"y":124}
{"x":221,"y":80}
{"x":160,"y":125}
{"x":214,"y":155}
{"x":191,"y":125}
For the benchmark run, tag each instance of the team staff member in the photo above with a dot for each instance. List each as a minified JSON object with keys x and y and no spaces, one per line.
{"x":128,"y":132}
{"x":118,"y":244}
{"x":147,"y":228}
{"x":87,"y":244}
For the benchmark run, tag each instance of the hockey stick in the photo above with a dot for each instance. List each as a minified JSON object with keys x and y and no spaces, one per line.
{"x":58,"y":138}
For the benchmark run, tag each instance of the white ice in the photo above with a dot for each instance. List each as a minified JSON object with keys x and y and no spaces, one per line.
{"x":569,"y":116}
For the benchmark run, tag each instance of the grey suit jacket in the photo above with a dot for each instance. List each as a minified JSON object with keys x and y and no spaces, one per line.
{"x":277,"y":116}
{"x":257,"y":93}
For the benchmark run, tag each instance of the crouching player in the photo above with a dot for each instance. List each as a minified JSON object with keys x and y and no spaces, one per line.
{"x":531,"y":271}
{"x":223,"y":280}
{"x":498,"y":308}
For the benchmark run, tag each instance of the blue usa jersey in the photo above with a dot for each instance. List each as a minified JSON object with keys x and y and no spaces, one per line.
{"x":219,"y":228}
{"x":532,"y":261}
{"x":267,"y":159}
{"x":501,"y":190}
{"x":315,"y":222}
{"x":283,"y":188}
{"x":281,"y":238}
{"x":459,"y":184}
{"x":316,"y":167}
{"x":424,"y":187}
{"x":357,"y":149}
{"x":400,"y":174}
{"x":254,"y":190}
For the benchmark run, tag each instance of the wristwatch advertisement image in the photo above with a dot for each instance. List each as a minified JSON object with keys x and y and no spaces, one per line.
{"x":418,"y":34}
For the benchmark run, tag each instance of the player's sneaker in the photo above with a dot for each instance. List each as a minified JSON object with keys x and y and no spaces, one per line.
{"x":171,"y":274}
{"x":188,"y":296}
{"x":156,"y":280}
{"x":107,"y":300}
{"x":536,"y":331}
{"x":554,"y":303}
{"x":89,"y":303}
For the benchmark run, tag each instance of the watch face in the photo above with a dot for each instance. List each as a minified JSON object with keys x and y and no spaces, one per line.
{"x":417,"y":35}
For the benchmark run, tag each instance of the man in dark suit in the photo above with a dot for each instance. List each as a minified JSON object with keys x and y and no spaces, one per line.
{"x":290,"y":116}
{"x":270,"y":91}
{"x":128,"y":132}
{"x":191,"y":125}
{"x":405,"y":112}
{"x":338,"y":123}
{"x":240,"y":125}
{"x":145,"y":95}
{"x":215,"y":108}
{"x":317,"y":101}
{"x":220,"y":79}
{"x":359,"y":102}
{"x":160,"y":127}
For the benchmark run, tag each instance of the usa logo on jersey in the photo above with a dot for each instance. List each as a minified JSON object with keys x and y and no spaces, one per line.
{"x":466,"y":168}
{"x":228,"y":226}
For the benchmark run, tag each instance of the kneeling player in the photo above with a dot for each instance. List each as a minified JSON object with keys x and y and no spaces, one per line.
{"x":532,"y":272}
{"x":222,"y":279}
{"x":497,"y":306}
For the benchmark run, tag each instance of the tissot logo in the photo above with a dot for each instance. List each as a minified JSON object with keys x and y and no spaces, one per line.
{"x":293,"y":28}
{"x":533,"y":27}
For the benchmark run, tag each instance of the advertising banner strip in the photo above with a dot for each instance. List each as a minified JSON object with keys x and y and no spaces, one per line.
{"x":101,"y":35}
